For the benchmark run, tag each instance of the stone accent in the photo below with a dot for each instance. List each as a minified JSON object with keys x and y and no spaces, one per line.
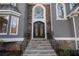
{"x":66,"y":44}
{"x":24,"y":44}
{"x":78,"y":44}
{"x":13,"y":48}
{"x":62,"y":44}
{"x":10,"y":48}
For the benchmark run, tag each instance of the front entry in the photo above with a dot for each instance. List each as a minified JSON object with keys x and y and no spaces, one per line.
{"x":39,"y":21}
{"x":39,"y":30}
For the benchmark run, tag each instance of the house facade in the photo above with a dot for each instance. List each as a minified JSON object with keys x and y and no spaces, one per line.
{"x":57,"y":22}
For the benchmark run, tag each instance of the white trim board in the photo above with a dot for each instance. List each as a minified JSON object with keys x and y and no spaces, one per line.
{"x":66,"y":38}
{"x":11,"y":39}
{"x":10,"y":12}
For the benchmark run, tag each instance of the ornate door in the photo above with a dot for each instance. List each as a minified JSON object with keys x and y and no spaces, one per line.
{"x":39,"y":30}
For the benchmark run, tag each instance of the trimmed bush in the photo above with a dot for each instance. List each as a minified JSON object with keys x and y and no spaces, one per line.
{"x":67,"y":52}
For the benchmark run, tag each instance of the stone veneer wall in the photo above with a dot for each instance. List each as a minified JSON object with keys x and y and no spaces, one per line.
{"x":62,"y":44}
{"x":10,"y":49}
{"x":66,"y":44}
{"x":78,"y":44}
{"x":13,"y":48}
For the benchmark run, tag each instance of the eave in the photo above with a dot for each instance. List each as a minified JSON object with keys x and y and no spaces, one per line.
{"x":10,"y":12}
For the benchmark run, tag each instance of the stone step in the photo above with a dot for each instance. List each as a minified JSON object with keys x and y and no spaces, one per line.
{"x":39,"y":45}
{"x":36,"y":45}
{"x":31,"y":44}
{"x":39,"y":55}
{"x":39,"y":42}
{"x":39,"y":48}
{"x":39,"y":52}
{"x":42,"y":44}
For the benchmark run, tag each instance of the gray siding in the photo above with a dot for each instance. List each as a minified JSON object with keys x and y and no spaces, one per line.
{"x":25,"y":21}
{"x":77,"y":24}
{"x":61,"y":28}
{"x":22,"y":9}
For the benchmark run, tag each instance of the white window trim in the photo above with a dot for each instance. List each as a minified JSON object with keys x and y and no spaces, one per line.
{"x":57,"y":17}
{"x":71,"y":6}
{"x":7,"y":25}
{"x":16,"y":28}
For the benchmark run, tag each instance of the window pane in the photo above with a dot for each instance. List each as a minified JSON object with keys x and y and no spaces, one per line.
{"x":38,"y":12}
{"x":60,"y":9}
{"x":3,"y":24}
{"x":14,"y":25}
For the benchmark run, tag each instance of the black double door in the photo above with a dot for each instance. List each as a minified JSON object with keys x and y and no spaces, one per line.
{"x":39,"y":30}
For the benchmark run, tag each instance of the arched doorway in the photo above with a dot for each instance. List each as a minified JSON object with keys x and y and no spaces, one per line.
{"x":39,"y":30}
{"x":38,"y":21}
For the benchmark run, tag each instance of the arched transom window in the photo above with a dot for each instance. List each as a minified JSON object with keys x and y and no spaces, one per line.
{"x":38,"y":13}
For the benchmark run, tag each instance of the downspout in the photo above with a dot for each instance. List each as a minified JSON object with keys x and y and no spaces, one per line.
{"x":75,"y":33}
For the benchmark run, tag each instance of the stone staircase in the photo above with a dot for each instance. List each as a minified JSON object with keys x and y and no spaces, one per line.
{"x":39,"y":47}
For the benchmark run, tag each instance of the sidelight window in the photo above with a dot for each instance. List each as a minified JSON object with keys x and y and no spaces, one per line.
{"x":14,"y":25}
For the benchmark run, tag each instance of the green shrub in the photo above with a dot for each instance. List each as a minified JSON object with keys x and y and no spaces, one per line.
{"x":67,"y":52}
{"x":63,"y":52}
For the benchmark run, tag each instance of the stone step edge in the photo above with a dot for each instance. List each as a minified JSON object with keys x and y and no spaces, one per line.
{"x":39,"y":55}
{"x":34,"y":49}
{"x":39,"y":50}
{"x":39,"y":44}
{"x":39,"y":40}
